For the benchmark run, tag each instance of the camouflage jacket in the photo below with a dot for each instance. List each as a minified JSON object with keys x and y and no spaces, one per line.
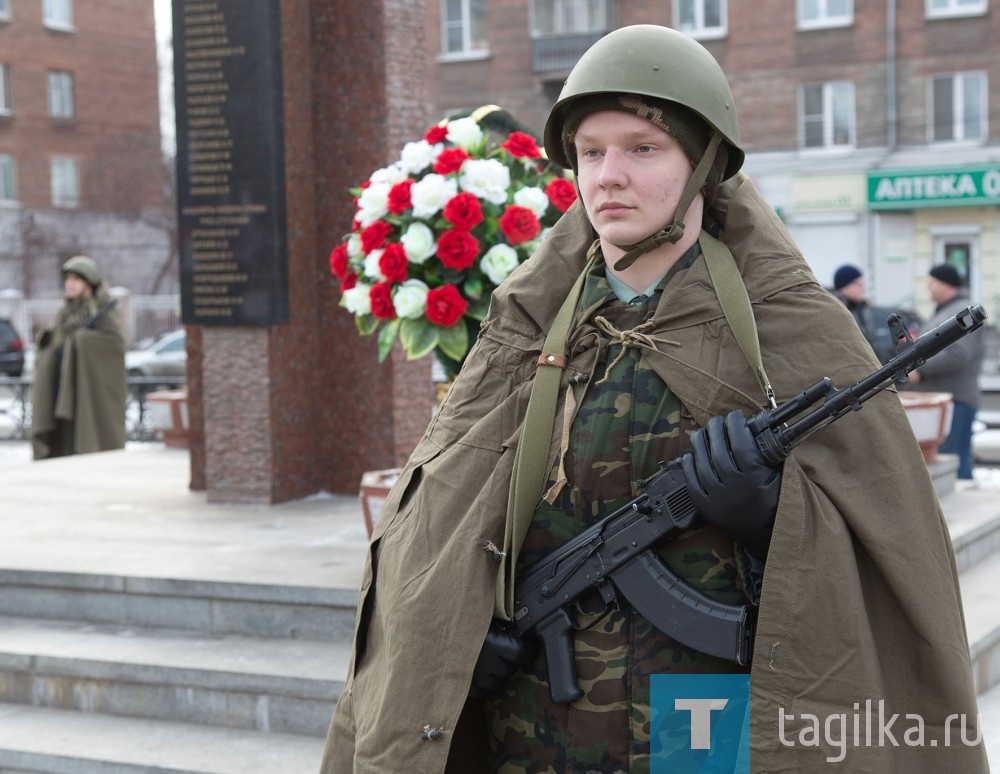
{"x":845,"y":615}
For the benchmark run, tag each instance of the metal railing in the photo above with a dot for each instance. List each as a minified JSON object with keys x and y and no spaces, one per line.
{"x":15,"y":406}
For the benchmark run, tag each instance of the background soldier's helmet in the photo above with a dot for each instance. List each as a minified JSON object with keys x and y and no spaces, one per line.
{"x":655,"y":62}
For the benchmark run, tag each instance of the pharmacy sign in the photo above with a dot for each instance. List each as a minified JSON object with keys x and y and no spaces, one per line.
{"x":916,"y":189}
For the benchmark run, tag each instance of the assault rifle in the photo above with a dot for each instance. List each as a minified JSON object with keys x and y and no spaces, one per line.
{"x":616,"y":556}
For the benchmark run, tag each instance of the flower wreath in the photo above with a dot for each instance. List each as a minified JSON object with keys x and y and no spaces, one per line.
{"x":438,"y":230}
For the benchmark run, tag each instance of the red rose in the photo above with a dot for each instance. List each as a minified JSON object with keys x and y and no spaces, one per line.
{"x":464,"y":211}
{"x":445,"y":305}
{"x":522,"y":145}
{"x":436,"y":134}
{"x":450,"y":160}
{"x":381,"y":298}
{"x":519,"y":224}
{"x":349,"y":281}
{"x":457,"y":249}
{"x":399,"y":197}
{"x":561,"y":192}
{"x":338,"y":261}
{"x":392,"y":263}
{"x":374,"y":236}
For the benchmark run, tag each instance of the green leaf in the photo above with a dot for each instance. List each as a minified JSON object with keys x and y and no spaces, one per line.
{"x":366,"y":324}
{"x":386,"y":337}
{"x":473,"y":288}
{"x":419,"y":337}
{"x":477,"y":309}
{"x":454,"y":341}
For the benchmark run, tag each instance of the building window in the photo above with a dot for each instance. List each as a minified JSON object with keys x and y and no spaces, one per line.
{"x":463,"y":27}
{"x":958,"y":107}
{"x":6,"y":90}
{"x":4,"y":10}
{"x":8,"y":180}
{"x":58,"y":14}
{"x":946,"y":8}
{"x":825,"y":13}
{"x":569,"y":17}
{"x":65,"y":183}
{"x":60,"y":94}
{"x":827,"y":115}
{"x":701,"y":18}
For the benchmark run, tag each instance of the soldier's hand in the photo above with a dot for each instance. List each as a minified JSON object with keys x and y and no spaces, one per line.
{"x":503,"y":652}
{"x":731,"y":484}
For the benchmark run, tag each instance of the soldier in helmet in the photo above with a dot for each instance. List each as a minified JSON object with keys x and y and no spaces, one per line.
{"x":79,"y":389}
{"x":688,"y":308}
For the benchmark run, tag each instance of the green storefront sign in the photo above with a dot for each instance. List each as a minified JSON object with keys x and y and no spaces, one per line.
{"x":916,"y":189}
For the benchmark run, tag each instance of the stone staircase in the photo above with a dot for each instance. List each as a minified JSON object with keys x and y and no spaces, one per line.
{"x":118,"y":675}
{"x":111,"y":674}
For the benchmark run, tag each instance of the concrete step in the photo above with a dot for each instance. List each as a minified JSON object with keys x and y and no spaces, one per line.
{"x":272,"y":685}
{"x":981,"y":599}
{"x":973,"y":516}
{"x":52,"y":741}
{"x":206,"y":606}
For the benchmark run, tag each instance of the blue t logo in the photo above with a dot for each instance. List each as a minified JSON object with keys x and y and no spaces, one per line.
{"x":700,"y":724}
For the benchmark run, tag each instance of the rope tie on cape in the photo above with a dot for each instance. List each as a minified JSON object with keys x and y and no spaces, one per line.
{"x":631,"y":338}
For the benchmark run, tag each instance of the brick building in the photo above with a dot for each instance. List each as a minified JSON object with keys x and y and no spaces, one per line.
{"x":871,"y":126}
{"x":81,"y":168}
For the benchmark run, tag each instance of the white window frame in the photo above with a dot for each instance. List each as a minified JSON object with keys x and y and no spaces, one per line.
{"x":8,"y":178}
{"x":58,"y":14}
{"x":471,"y":48}
{"x":948,"y":9}
{"x":65,"y":181}
{"x":699,"y":30}
{"x":824,"y":18}
{"x":6,"y":90}
{"x":829,"y":93}
{"x":4,"y":10}
{"x":60,"y":94}
{"x":571,"y":17}
{"x":958,"y":107}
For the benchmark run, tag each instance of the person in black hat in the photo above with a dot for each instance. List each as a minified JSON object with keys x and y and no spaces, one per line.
{"x":849,"y":287}
{"x":956,"y":369}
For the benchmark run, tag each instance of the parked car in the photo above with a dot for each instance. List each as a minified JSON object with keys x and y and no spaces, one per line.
{"x":165,"y":356}
{"x":11,"y":349}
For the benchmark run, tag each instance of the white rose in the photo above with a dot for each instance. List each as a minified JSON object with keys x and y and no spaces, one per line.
{"x":534,"y":199}
{"x":499,"y":261}
{"x":431,"y":194}
{"x":357,"y":300}
{"x":410,"y":299}
{"x":417,"y":156}
{"x":486,"y":178}
{"x":372,"y":270}
{"x":354,"y":245}
{"x":389,"y":176}
{"x":373,"y":203}
{"x":418,"y":242}
{"x":465,"y":133}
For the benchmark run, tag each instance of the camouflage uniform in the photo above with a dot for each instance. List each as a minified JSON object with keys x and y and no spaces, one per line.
{"x":628,"y":422}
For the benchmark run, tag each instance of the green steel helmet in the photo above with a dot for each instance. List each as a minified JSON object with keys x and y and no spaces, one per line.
{"x":652,"y":61}
{"x":83,"y":266}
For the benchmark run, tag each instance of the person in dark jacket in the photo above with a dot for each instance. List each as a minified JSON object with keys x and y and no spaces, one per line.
{"x":79,"y":389}
{"x":849,"y":287}
{"x":956,"y":369}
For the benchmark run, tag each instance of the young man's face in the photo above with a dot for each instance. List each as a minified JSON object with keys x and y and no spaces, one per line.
{"x":76,"y":287}
{"x":631,"y":175}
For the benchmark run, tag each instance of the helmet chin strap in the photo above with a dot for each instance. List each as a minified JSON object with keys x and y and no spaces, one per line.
{"x":675,"y":230}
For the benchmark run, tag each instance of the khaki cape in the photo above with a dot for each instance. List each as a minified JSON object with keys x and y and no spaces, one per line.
{"x":91,"y":391}
{"x":860,"y":601}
